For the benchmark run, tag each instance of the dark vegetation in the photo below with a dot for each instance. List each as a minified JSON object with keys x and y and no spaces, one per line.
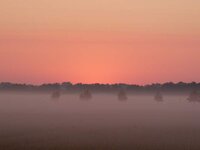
{"x":168,"y":87}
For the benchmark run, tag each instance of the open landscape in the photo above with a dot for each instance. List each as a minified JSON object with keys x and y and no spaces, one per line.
{"x":35,"y":121}
{"x":99,"y":75}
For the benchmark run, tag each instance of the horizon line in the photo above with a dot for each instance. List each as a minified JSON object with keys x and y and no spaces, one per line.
{"x":75,"y":83}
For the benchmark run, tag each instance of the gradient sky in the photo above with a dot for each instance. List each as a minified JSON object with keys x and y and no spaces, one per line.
{"x":106,"y":41}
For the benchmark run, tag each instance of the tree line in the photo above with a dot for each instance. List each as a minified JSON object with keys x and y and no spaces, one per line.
{"x":97,"y":87}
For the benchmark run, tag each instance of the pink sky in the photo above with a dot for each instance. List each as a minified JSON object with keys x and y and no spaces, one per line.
{"x":103,"y":41}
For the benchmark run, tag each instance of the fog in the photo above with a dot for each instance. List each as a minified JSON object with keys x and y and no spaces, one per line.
{"x":38,"y":121}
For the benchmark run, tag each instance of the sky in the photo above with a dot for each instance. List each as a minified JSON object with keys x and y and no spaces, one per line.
{"x":99,"y":41}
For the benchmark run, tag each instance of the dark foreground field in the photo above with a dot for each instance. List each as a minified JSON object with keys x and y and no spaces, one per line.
{"x":36,"y":122}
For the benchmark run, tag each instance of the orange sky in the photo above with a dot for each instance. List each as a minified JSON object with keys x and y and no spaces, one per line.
{"x":103,"y":41}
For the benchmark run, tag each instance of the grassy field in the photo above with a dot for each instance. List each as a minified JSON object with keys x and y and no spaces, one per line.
{"x":34,"y":122}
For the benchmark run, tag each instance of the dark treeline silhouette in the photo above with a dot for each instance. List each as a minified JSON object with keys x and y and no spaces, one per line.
{"x":69,"y":87}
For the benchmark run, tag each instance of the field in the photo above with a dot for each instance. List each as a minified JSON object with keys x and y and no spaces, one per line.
{"x":33,"y":121}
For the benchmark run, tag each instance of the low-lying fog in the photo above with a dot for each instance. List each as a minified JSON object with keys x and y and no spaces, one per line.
{"x":38,"y":121}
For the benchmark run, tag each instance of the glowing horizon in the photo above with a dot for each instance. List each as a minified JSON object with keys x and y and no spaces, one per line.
{"x":99,"y":41}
